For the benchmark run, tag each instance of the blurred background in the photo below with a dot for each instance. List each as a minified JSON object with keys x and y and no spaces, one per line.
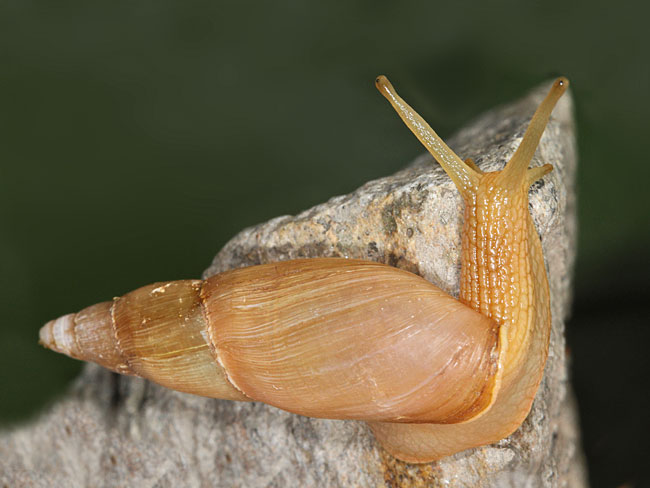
{"x":136,"y":138}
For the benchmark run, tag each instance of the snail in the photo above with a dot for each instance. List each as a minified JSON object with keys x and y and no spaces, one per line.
{"x":351,"y":339}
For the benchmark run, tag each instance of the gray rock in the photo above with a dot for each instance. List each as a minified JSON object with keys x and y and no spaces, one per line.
{"x":111,"y":430}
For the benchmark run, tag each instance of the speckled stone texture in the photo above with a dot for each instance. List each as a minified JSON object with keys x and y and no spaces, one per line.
{"x":112,"y":430}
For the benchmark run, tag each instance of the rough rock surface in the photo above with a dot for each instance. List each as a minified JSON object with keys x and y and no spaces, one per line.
{"x":112,"y":430}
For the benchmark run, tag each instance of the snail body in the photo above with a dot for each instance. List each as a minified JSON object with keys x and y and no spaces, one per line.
{"x":349,"y":339}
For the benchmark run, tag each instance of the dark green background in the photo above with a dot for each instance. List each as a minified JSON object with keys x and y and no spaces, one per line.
{"x":137,"y":137}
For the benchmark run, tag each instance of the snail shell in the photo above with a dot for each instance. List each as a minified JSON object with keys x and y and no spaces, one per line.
{"x":330,"y":338}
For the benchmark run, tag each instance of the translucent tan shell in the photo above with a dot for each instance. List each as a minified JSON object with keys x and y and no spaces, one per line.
{"x":329,"y":338}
